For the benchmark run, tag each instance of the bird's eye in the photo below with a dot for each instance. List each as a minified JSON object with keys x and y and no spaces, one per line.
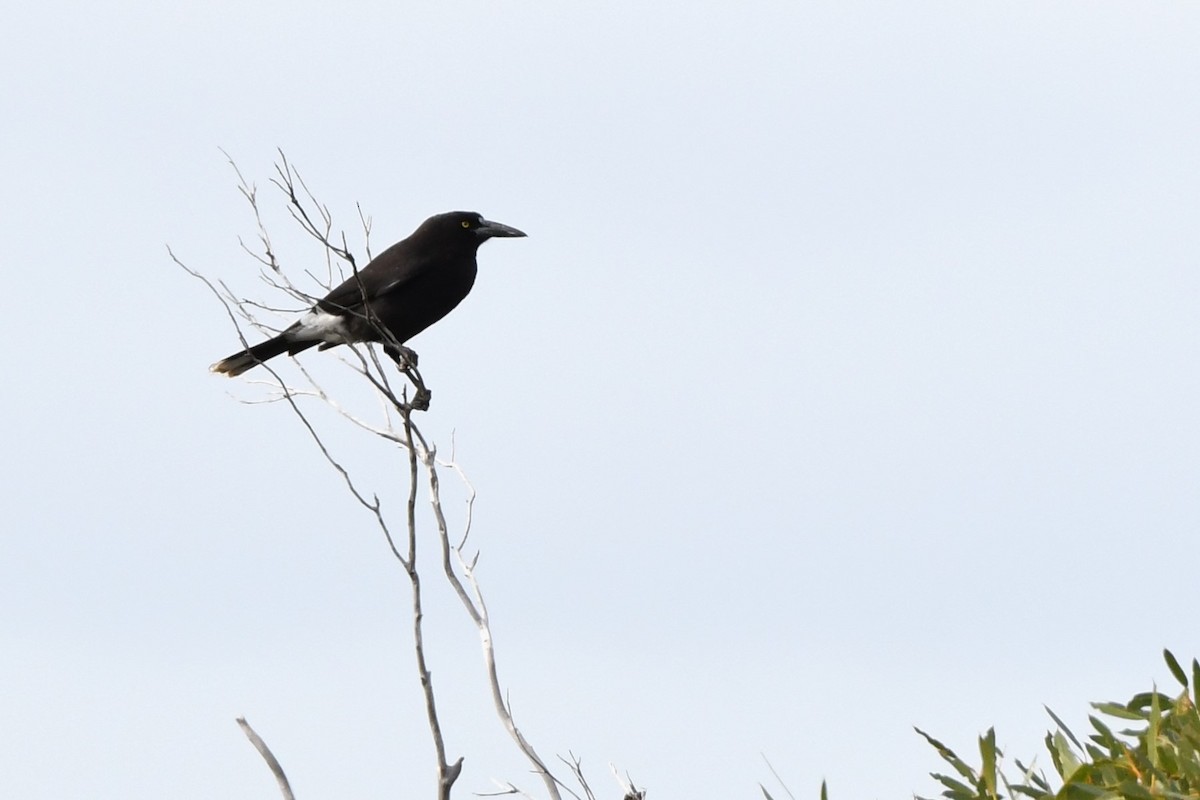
{"x":466,"y":223}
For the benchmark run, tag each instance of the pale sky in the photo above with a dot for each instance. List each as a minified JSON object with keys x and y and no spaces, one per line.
{"x":846,"y":382}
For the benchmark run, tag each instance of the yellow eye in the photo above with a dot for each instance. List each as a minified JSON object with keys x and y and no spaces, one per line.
{"x":466,"y":223}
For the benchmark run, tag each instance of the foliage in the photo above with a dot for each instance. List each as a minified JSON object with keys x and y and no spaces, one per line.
{"x":1157,"y":754}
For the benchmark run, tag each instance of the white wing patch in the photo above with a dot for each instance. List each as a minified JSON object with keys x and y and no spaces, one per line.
{"x":321,"y":326}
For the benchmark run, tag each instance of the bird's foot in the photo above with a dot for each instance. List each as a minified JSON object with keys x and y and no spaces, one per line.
{"x":405,"y":357}
{"x":421,"y":398}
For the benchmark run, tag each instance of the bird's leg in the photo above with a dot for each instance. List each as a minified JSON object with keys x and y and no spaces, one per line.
{"x":406,"y":362}
{"x":422,"y":395}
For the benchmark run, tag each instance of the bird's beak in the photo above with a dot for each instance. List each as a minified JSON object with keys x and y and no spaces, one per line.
{"x":489,"y":229}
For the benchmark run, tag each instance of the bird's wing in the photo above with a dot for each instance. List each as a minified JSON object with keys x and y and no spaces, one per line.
{"x":388,"y":271}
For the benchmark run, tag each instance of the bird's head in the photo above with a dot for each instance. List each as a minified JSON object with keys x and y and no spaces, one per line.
{"x":472,"y":227}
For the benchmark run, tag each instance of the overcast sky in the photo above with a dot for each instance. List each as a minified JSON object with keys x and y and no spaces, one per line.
{"x":847,"y":381}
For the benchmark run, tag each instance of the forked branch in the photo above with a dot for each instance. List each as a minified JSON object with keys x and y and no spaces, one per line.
{"x":398,"y":429}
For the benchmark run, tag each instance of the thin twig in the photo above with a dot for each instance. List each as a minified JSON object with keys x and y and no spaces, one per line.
{"x":508,"y":788}
{"x":273,"y":763}
{"x":627,"y":785}
{"x":771,"y":767}
{"x":576,"y":766}
{"x":366,"y":225}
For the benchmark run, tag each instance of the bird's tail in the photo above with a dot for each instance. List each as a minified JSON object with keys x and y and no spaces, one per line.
{"x":238,"y":363}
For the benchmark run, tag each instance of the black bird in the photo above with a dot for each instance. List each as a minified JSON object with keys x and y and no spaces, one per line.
{"x":403,"y":291}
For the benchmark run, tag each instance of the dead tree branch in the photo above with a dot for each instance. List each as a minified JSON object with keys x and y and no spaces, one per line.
{"x":476,"y":609}
{"x":273,"y":763}
{"x":243,"y":311}
{"x":398,"y":429}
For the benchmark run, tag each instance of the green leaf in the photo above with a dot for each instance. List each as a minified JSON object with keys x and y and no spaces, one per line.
{"x":1030,"y":775}
{"x":1167,"y":760}
{"x":948,"y":755}
{"x":1105,"y":736}
{"x":1062,"y":726}
{"x":1173,"y":665}
{"x":1108,"y":774}
{"x":1135,"y":791}
{"x":1117,"y":710}
{"x":1152,"y":731}
{"x":987,"y":770}
{"x":1081,"y":791}
{"x":1143,"y":700}
{"x":824,"y":791}
{"x":767,"y":794}
{"x":953,"y":785}
{"x":1068,"y":764}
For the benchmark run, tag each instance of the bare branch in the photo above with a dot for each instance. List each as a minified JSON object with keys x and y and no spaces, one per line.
{"x":418,"y":638}
{"x":470,"y":510}
{"x":627,"y":786}
{"x":771,"y":767}
{"x":396,"y":428}
{"x":216,"y":293}
{"x":250,"y":192}
{"x":272,"y":762}
{"x":288,"y":177}
{"x":476,"y":609}
{"x":576,"y":767}
{"x":366,"y":226}
{"x":507,"y":789}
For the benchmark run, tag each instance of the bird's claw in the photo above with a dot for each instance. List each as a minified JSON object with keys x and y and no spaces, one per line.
{"x":420,"y":401}
{"x":405,"y":357}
